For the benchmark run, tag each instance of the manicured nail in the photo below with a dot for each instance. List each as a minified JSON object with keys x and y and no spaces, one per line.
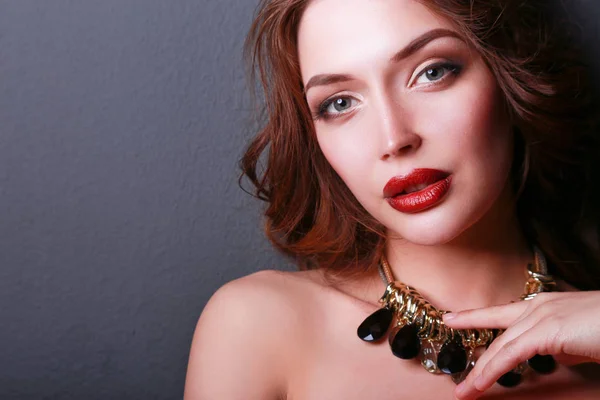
{"x":449,"y":316}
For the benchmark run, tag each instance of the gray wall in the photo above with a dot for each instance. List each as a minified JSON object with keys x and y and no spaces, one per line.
{"x":121,"y":123}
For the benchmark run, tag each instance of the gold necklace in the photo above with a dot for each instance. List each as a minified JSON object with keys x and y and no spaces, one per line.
{"x":419,"y":330}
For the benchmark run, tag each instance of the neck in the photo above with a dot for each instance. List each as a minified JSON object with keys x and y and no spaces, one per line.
{"x":481,"y":268}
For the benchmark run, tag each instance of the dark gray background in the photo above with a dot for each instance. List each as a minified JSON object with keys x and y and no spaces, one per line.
{"x":121,"y":123}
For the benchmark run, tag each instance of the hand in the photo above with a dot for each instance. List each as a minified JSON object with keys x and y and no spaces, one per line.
{"x":565,"y":325}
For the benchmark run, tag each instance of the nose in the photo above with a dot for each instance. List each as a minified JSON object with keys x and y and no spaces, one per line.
{"x":397,"y":135}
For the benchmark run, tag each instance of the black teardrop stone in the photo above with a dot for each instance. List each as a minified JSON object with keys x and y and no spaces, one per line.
{"x":542,"y":364}
{"x":452,"y":358}
{"x":405,"y":343}
{"x":375,"y":325}
{"x":510,"y":379}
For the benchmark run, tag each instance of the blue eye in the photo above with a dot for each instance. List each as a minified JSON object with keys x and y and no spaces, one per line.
{"x":437,"y":72}
{"x":339,"y":104}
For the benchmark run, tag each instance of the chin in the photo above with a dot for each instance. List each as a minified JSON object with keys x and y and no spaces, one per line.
{"x":432,"y":234}
{"x":436,"y":226}
{"x":447,"y":221}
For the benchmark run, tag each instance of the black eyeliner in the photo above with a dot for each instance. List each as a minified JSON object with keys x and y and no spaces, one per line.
{"x":321,"y":113}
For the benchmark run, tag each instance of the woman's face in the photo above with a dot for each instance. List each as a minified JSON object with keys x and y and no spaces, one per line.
{"x":388,"y":109}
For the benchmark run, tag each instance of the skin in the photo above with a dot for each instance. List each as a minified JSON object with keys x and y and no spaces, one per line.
{"x":559,"y":324}
{"x":396,"y":117}
{"x":276,"y":335}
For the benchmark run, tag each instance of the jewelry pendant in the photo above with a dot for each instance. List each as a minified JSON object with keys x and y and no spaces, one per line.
{"x":514,"y":377}
{"x":375,"y":325}
{"x":429,"y":355}
{"x":458,"y":377}
{"x":510,"y":379}
{"x":419,"y":330}
{"x":452,"y":358}
{"x":542,"y":364}
{"x":404,"y":341}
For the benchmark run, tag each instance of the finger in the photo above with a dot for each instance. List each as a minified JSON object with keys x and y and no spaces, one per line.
{"x":501,"y":316}
{"x":523,"y":325}
{"x":510,"y":355}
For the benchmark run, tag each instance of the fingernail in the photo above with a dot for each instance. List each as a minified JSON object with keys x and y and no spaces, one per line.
{"x":449,"y":316}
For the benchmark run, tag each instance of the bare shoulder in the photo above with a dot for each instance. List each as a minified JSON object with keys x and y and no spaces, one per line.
{"x":239,"y":349}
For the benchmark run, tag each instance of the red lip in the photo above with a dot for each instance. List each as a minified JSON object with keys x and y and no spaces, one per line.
{"x":438,"y":184}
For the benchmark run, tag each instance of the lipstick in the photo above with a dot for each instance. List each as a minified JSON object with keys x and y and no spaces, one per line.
{"x":417,"y":191}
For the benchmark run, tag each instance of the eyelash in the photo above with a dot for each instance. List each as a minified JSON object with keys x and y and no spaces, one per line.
{"x":321,"y":113}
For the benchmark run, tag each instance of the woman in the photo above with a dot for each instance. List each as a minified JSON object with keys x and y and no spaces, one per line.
{"x":445,"y":145}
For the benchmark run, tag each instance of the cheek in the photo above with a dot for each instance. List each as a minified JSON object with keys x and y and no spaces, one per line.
{"x":474,"y":127}
{"x":489,"y":142}
{"x":483,"y":144}
{"x":349,"y":154}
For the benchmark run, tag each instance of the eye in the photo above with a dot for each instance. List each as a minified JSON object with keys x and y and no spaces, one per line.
{"x":437,"y":72}
{"x":334,"y":107}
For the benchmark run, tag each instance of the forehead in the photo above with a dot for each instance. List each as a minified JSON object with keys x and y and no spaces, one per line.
{"x":341,"y":35}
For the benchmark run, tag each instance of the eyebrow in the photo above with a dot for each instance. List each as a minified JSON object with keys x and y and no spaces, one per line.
{"x":414,"y":46}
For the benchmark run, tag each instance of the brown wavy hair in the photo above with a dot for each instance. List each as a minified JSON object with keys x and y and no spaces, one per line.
{"x":536,"y":51}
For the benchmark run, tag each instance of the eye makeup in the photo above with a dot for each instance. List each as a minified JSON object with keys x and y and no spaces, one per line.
{"x":449,"y":70}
